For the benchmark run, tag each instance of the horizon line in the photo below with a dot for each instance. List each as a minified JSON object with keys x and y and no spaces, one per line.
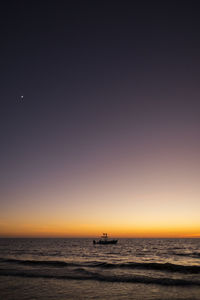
{"x":92,"y":237}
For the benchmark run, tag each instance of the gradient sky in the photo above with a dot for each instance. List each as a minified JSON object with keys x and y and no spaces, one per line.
{"x":107,"y":136}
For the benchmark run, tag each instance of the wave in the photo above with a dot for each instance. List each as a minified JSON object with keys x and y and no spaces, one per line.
{"x":105,"y":278}
{"x":193,"y":254}
{"x":55,"y":263}
{"x":154,"y":266}
{"x":169,"y":267}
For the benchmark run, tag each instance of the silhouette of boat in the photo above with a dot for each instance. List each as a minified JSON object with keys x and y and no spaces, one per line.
{"x":105,"y":240}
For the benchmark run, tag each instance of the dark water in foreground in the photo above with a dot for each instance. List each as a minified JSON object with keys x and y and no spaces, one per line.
{"x":77,"y":269}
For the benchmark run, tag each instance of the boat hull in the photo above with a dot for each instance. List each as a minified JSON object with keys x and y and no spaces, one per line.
{"x":105,"y":242}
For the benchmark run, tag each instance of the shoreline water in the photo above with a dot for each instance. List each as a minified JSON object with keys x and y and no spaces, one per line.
{"x":70,"y":268}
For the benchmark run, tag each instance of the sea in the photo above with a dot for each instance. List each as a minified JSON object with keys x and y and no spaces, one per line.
{"x":72,"y":268}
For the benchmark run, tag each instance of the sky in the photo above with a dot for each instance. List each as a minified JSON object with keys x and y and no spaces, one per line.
{"x":106,"y":137}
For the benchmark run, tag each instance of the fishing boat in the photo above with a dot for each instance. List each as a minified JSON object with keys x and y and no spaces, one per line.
{"x":104,"y":240}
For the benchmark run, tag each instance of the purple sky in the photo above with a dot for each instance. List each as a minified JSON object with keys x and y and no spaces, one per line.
{"x":111,"y":95}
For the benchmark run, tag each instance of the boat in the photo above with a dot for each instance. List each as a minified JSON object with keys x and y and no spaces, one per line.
{"x":104,"y":240}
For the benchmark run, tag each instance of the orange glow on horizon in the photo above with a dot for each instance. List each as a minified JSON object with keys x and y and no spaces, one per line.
{"x":95,"y":230}
{"x":131,"y":197}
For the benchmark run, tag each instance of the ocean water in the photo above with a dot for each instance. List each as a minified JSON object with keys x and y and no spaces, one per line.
{"x":76,"y":269}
